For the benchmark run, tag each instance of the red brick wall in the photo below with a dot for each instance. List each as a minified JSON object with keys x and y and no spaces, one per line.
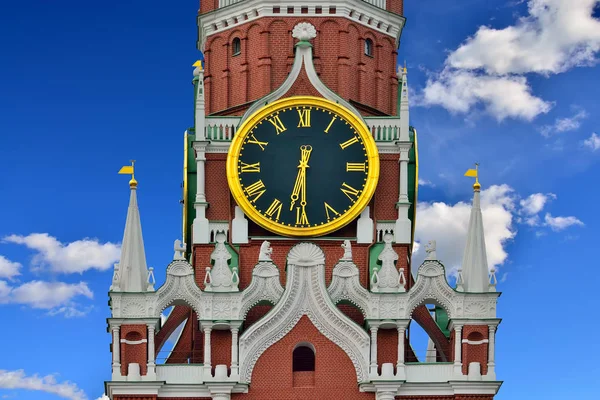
{"x":134,"y":353}
{"x":136,"y":397}
{"x":454,"y":397}
{"x":272,"y":377}
{"x":475,"y":352}
{"x":387,"y":346}
{"x":268,"y":54}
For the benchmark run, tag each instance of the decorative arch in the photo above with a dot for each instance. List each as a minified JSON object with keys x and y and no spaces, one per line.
{"x":179,"y":289}
{"x":305,"y":294}
{"x":432,"y":287}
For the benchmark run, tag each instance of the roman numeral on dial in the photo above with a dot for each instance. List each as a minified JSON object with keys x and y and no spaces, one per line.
{"x":274,"y":209}
{"x":257,"y":189}
{"x":355,"y":167}
{"x":252,"y":139}
{"x":279,"y":127}
{"x":250,"y":167}
{"x":349,"y":191}
{"x":301,"y":218}
{"x":304,"y":115}
{"x":328,"y":209}
{"x":349,"y":142}
{"x":331,"y":123}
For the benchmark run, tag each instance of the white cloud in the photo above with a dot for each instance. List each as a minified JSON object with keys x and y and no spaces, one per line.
{"x":425,"y":182}
{"x":535,"y":203}
{"x":57,"y":297}
{"x":448,"y":225}
{"x":561,"y":223}
{"x":19,"y":380}
{"x":593,"y":142}
{"x":459,"y":91}
{"x":556,"y":36}
{"x":564,"y":124}
{"x":488,"y":68}
{"x":9,"y":269}
{"x":77,"y":256}
{"x":103,"y":397}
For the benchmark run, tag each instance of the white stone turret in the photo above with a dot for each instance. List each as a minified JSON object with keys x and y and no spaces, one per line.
{"x":404,"y":112}
{"x":131,"y":274}
{"x":475,"y":272}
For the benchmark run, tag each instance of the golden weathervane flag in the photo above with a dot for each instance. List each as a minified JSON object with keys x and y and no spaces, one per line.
{"x":470,"y":172}
{"x":127,"y":169}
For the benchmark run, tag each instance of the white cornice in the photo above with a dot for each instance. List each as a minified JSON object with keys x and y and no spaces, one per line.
{"x":363,"y":13}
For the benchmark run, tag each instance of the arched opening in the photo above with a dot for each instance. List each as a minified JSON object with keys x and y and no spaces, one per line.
{"x":427,"y":320}
{"x":351,"y":311}
{"x":369,"y":47}
{"x":303,"y":358}
{"x":256,"y":313}
{"x":236,"y":46}
{"x":303,"y":365}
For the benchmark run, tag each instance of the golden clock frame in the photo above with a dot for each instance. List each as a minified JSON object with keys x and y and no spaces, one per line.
{"x":290,"y":231}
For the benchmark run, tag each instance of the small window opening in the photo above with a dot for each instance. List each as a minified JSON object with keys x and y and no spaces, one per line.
{"x":303,"y":359}
{"x":236,"y":46}
{"x":369,"y":47}
{"x":276,"y":10}
{"x":331,"y":10}
{"x":304,"y":10}
{"x":318,"y":10}
{"x":290,"y":10}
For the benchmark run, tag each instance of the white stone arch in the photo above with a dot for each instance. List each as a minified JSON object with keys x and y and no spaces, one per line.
{"x":432,"y":287}
{"x":305,"y":294}
{"x":264,"y":287}
{"x":345,"y":286}
{"x":179,"y":288}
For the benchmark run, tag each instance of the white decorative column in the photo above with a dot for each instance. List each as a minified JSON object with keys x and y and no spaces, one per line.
{"x":364,"y":227}
{"x":402,"y":231}
{"x":116,"y":350}
{"x":221,"y":396}
{"x":458,"y":350}
{"x":373,"y":365}
{"x":400,"y":372}
{"x":151,"y":372}
{"x":200,"y":229}
{"x":239,"y":227}
{"x":234,"y":351}
{"x":207,"y":364}
{"x":491,"y":372}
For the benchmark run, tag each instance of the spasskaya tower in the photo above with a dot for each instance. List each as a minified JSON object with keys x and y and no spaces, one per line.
{"x":293,"y":276}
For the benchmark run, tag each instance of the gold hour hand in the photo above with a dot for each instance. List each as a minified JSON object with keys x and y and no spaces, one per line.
{"x":300,"y":184}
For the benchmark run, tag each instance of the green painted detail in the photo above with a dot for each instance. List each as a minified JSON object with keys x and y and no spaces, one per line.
{"x":374,"y":263}
{"x":413,"y":176}
{"x":234,"y":262}
{"x":442,"y":320}
{"x":191,"y":186}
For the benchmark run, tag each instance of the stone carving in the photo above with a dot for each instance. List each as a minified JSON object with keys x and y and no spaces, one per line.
{"x":304,"y":32}
{"x":179,"y":248}
{"x":116,"y":278}
{"x":347,"y":251}
{"x":220,"y":278}
{"x":265,"y":252}
{"x":387,"y":278}
{"x":306,"y":255}
{"x":430,"y":250}
{"x":151,"y":280}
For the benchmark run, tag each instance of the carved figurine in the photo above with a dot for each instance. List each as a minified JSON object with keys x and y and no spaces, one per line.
{"x":221,"y":275}
{"x":430,"y":250}
{"x":179,"y":248}
{"x":388,"y":277}
{"x":265,"y":252}
{"x":347,"y":251}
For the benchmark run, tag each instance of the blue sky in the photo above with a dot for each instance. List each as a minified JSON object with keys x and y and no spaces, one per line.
{"x":86,"y":87}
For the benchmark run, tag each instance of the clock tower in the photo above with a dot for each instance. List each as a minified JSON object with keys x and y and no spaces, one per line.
{"x":294,"y":275}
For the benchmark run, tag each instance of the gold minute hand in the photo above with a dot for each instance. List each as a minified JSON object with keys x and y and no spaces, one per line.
{"x":300,"y":184}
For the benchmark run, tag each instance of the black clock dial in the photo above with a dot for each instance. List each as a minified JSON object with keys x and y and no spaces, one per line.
{"x":303,"y":166}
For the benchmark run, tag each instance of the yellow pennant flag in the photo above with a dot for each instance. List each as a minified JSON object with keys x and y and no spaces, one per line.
{"x":472,"y":173}
{"x":128,"y":169}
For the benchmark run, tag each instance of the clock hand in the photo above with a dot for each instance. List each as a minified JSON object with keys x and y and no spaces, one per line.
{"x":300,"y":178}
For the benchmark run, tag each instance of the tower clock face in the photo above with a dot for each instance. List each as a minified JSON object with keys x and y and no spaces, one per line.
{"x":303,"y":166}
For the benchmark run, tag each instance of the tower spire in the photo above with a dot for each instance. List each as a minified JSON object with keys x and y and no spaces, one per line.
{"x":475,"y":266}
{"x":131,"y":274}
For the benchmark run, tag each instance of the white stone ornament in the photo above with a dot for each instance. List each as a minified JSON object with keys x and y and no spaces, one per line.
{"x":179,"y":248}
{"x":221,"y":278}
{"x":304,"y":32}
{"x":430,"y":250}
{"x":387,"y":276}
{"x":347,"y":251}
{"x":265,"y":252}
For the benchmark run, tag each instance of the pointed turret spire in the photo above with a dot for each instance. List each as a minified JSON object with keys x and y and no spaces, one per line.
{"x":475,"y":274}
{"x":131,"y":274}
{"x":403,"y":106}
